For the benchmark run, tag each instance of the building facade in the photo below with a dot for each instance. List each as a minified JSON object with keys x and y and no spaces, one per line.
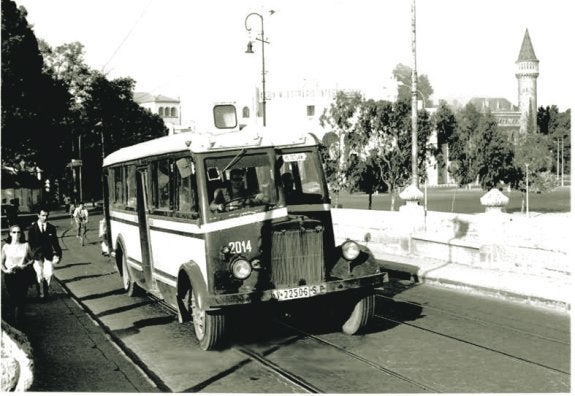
{"x":527,"y":71}
{"x":168,"y":108}
{"x":517,"y":120}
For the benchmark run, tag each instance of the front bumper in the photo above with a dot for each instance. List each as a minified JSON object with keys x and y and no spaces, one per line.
{"x":368,"y":281}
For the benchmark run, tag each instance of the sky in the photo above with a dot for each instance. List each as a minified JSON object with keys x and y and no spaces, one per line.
{"x":195,"y":49}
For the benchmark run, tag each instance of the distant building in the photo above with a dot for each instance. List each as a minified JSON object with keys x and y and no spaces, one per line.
{"x":167,"y":108}
{"x":506,"y":114}
{"x":527,"y":71}
{"x":517,"y":120}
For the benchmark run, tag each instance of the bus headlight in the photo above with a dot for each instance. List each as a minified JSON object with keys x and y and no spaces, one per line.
{"x":350,"y":250}
{"x":241,"y":268}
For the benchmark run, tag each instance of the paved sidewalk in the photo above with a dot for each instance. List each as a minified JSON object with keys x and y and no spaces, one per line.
{"x":73,"y":354}
{"x":521,"y":288}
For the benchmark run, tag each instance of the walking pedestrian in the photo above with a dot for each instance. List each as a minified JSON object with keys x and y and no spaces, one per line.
{"x":81,"y":219}
{"x":71,"y":212}
{"x":103,"y":234}
{"x":46,"y":251}
{"x":16,"y":259}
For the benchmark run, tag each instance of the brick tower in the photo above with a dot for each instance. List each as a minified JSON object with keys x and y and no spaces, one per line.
{"x":527,"y":71}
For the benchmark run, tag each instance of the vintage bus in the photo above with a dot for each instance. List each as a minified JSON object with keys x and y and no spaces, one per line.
{"x":209,"y":222}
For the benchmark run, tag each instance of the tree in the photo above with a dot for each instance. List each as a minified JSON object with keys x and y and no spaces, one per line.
{"x":66,"y":63}
{"x":533,"y":159}
{"x":464,"y":145}
{"x":100,"y":111}
{"x":495,"y":154}
{"x":32,"y":127}
{"x":402,"y":74}
{"x":557,"y":126}
{"x":384,"y":146}
{"x":445,"y":123}
{"x":113,"y":118}
{"x":340,"y":117}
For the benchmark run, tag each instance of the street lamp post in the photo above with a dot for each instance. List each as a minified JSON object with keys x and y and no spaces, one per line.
{"x":527,"y":190}
{"x":423,"y":101}
{"x":413,"y":100}
{"x":251,"y":51}
{"x":80,"y":165}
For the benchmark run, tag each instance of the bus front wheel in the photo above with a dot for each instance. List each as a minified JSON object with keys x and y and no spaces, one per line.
{"x":361,"y":313}
{"x":129,"y":285}
{"x":209,"y":326}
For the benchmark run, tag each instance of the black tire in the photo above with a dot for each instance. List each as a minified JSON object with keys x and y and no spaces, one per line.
{"x":130,"y":286}
{"x":362,"y":312}
{"x":209,"y":326}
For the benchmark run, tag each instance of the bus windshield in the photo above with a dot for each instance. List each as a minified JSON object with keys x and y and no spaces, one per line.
{"x":240,"y":181}
{"x":301,"y":178}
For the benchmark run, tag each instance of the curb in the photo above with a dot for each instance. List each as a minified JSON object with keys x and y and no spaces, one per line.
{"x":490,"y":283}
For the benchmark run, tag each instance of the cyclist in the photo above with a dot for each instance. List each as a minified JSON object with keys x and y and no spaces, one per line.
{"x":81,"y":219}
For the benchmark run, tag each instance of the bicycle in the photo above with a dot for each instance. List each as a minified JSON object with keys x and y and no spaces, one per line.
{"x":82,"y":230}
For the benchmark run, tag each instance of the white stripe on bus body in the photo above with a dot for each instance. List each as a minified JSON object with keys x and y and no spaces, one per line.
{"x":170,"y":250}
{"x":310,"y":208}
{"x":132,"y":217}
{"x":133,"y":263}
{"x":210,"y":227}
{"x":168,"y":281}
{"x":218,"y":225}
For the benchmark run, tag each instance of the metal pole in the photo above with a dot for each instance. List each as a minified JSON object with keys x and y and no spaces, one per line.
{"x":527,"y":190}
{"x":263,"y":41}
{"x":263,"y":74}
{"x":562,"y":162}
{"x":558,"y":159}
{"x":413,"y":100}
{"x":80,"y":168}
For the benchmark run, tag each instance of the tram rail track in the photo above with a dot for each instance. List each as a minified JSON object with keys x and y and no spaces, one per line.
{"x":461,"y":340}
{"x":363,"y":360}
{"x":475,"y":320}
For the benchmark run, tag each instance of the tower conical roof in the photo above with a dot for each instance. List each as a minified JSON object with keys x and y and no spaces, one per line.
{"x":526,"y":53}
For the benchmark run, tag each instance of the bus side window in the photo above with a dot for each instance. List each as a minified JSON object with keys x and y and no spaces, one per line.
{"x":118,"y":187}
{"x":186,"y":195}
{"x":162,"y":178}
{"x":110,"y":181}
{"x":131,"y":187}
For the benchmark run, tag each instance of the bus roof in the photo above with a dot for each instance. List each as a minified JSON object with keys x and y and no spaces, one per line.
{"x":205,"y":143}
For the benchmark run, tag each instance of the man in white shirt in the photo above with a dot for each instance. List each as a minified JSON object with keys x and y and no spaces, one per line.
{"x":81,"y":219}
{"x":46,"y":250}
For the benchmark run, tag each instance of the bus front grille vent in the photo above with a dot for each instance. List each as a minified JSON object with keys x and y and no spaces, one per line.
{"x":297,"y":257}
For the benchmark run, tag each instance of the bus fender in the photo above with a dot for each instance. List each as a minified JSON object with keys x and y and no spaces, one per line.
{"x":119,"y":245}
{"x":190,"y":273}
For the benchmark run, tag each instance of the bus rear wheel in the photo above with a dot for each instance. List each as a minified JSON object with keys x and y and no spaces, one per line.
{"x":361,"y":313}
{"x":209,"y":326}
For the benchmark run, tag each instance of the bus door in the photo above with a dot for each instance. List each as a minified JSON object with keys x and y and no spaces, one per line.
{"x":142,"y":205}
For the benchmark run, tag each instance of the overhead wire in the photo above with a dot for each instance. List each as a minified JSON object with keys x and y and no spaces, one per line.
{"x":127,"y":35}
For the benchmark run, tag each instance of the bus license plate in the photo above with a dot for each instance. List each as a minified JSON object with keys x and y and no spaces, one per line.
{"x":298,"y":292}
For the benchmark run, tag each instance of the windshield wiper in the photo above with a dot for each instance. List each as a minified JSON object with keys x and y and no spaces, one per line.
{"x":235,"y":159}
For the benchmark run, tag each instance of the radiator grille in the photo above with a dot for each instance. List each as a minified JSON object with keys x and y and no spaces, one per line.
{"x":297,"y":257}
